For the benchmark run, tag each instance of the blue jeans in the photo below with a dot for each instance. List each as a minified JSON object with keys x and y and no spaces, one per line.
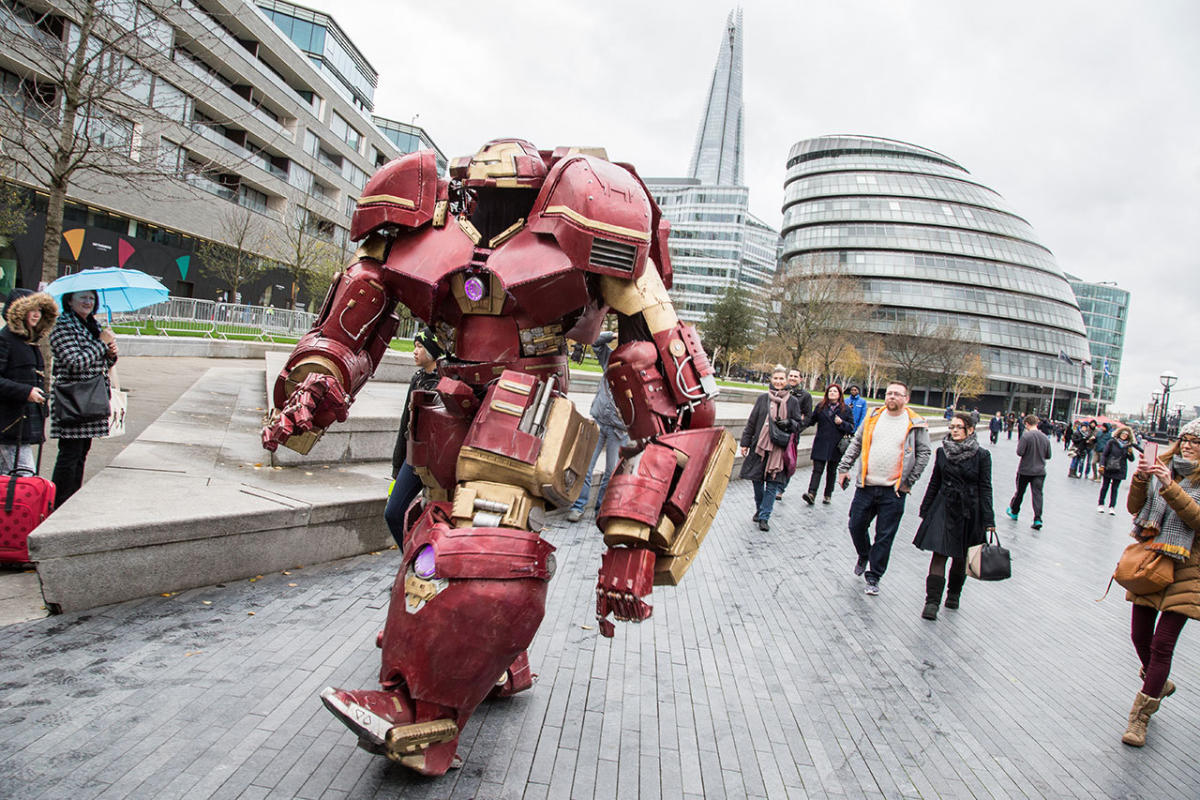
{"x":764,"y":501}
{"x":609,"y":443}
{"x":408,"y":486}
{"x":886,"y":507}
{"x":1077,"y":465}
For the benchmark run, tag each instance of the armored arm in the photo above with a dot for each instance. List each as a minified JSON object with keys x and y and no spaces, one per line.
{"x":663,"y":496}
{"x":357,"y":321}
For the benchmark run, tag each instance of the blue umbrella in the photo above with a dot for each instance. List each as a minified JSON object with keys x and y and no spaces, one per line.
{"x":117,"y":289}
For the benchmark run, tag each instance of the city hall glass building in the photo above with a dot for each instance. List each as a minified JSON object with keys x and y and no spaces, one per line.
{"x":933,"y":247}
{"x":1105,"y":307}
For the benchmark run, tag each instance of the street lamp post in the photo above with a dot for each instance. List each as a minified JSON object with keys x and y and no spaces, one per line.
{"x":1154,"y":396}
{"x":1167,"y":379}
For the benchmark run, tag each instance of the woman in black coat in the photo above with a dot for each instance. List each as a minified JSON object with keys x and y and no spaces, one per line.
{"x":23,"y":378}
{"x":405,"y":483}
{"x":762,"y":462}
{"x":956,"y":513}
{"x":1117,"y":453}
{"x":834,"y":421}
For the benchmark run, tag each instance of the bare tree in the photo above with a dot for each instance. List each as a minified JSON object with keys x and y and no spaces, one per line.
{"x":14,"y":210}
{"x":815,"y":298}
{"x":236,"y":263}
{"x":91,"y":106}
{"x":305,"y":247}
{"x":971,"y":380}
{"x":952,"y":351}
{"x":913,"y":349}
{"x":873,"y":351}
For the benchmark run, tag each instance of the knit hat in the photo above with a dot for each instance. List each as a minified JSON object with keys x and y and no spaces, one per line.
{"x":427,"y":339}
{"x":1191,"y":429}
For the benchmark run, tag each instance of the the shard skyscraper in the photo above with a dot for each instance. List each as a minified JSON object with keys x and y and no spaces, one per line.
{"x":717,"y":157}
{"x":716,"y":243}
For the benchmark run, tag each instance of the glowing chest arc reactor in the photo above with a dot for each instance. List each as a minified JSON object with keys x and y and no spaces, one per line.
{"x":475,"y":288}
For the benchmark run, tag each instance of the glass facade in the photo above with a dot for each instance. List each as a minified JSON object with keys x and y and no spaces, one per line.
{"x":717,"y":158}
{"x":929,"y":243}
{"x":1105,"y":307}
{"x":409,"y":138}
{"x":329,"y":49}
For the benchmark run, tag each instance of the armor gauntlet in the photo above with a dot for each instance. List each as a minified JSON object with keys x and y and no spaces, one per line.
{"x":333,"y":360}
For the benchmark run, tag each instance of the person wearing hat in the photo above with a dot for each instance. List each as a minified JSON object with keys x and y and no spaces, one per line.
{"x":1164,"y":498}
{"x":23,"y":378}
{"x":405,"y":483}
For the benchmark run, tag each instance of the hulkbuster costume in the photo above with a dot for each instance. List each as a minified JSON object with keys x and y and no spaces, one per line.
{"x":517,"y":252}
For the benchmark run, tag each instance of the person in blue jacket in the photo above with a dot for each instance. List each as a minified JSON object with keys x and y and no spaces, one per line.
{"x":858,"y":406}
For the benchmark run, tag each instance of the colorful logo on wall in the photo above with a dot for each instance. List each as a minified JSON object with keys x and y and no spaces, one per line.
{"x":183,"y":262}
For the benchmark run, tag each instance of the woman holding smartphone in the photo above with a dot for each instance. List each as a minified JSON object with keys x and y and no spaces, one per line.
{"x":1164,"y":497}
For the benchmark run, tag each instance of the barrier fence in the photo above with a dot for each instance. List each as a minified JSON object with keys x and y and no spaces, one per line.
{"x":212,"y":320}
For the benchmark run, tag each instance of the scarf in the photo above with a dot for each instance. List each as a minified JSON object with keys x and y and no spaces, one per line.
{"x":770,"y":454}
{"x":1158,"y":520}
{"x":960,"y":451}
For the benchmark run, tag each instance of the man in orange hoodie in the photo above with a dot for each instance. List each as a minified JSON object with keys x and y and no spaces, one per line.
{"x":894,"y":445}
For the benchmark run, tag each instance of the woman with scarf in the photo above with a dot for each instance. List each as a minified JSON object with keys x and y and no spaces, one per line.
{"x":956,"y":512}
{"x":1112,"y":466}
{"x":762,"y":462}
{"x":1164,"y":498}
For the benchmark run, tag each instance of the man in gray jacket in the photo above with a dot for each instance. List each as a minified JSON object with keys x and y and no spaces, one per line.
{"x":1033,"y":448}
{"x":894,"y":445}
{"x":612,"y":432}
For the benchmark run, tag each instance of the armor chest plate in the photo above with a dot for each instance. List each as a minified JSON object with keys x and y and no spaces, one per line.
{"x":442,"y":275}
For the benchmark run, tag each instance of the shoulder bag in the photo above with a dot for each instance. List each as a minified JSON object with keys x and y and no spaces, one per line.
{"x":780,"y":431}
{"x":1143,"y":571}
{"x":82,"y":401}
{"x":989,"y":561}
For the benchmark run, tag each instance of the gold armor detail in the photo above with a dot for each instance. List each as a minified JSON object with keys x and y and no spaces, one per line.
{"x":595,"y":224}
{"x":373,"y":247}
{"x":683,"y":543}
{"x":403,"y":202}
{"x":556,"y":474}
{"x":489,"y":305}
{"x":439,"y":213}
{"x":495,"y":162}
{"x":646,"y":295}
{"x":506,"y":234}
{"x":470,"y":230}
{"x":542,"y":341}
{"x":417,"y":590}
{"x":485,"y":497}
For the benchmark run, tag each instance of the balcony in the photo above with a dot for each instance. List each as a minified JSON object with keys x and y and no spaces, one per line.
{"x":211,"y":78}
{"x":209,"y":185}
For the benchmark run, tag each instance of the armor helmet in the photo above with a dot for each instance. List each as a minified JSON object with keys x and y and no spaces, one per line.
{"x":501,"y":164}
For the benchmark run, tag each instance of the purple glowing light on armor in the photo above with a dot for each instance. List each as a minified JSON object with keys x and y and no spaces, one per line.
{"x":423,"y":564}
{"x":474,"y":289}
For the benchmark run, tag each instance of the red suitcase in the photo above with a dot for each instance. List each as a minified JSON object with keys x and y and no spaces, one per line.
{"x":24,"y":503}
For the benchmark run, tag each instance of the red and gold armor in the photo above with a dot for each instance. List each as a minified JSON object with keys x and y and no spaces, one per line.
{"x":516,"y":252}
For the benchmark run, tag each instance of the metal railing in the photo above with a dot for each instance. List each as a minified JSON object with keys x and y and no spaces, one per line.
{"x":212,"y":320}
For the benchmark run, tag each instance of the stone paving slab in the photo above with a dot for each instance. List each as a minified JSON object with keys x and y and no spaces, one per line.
{"x":766,"y":674}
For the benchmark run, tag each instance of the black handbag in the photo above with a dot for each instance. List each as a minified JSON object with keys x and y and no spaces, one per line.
{"x":844,"y":444}
{"x":780,"y":431}
{"x":989,"y":561}
{"x":82,"y":401}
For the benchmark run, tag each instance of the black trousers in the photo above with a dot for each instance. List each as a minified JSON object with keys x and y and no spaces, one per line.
{"x":68,"y":468}
{"x":829,"y":469}
{"x":1034,"y":482}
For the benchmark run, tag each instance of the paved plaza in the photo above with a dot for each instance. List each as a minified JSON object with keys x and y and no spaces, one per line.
{"x":768,"y":673}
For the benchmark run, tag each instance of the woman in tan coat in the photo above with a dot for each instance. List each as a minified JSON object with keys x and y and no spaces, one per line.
{"x":1167,"y":519}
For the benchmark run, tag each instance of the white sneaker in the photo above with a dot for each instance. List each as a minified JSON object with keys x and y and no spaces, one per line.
{"x":1099,"y":509}
{"x":1112,"y":512}
{"x":574,"y":515}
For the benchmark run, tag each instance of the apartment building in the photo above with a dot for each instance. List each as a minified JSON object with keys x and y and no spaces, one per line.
{"x":229,"y":109}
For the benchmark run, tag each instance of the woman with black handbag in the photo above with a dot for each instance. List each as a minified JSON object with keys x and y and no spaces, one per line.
{"x":775,"y":418}
{"x":1166,"y":519}
{"x":83,"y":353}
{"x":834,"y":424}
{"x":23,"y":378}
{"x":956,"y":512}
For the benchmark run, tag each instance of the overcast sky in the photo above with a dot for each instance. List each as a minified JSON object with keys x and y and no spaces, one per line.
{"x":1085,"y":116}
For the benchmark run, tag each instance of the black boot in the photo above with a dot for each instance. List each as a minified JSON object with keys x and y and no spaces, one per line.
{"x":954,"y":589}
{"x":934,"y":584}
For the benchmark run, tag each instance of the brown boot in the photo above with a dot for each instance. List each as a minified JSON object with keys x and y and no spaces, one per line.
{"x":1168,"y":686}
{"x":1139,"y":717}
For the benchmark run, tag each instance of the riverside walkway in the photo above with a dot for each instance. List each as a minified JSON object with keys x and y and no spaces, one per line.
{"x":767,"y":673}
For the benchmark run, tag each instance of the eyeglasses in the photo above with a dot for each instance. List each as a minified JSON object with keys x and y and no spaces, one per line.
{"x":1189,"y":440}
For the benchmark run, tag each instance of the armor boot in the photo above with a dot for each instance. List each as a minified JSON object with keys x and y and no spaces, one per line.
{"x":954,"y":589}
{"x":934,"y":584}
{"x":1139,"y":717}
